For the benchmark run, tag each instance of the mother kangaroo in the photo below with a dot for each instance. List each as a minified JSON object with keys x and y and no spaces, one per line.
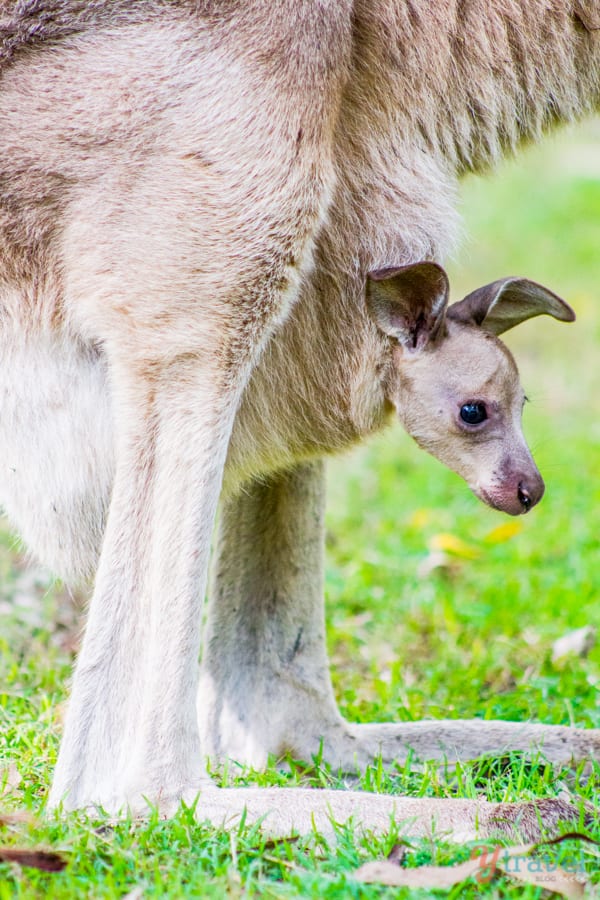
{"x":181,"y":183}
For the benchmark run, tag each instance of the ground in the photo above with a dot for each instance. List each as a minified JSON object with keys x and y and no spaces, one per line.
{"x":437,"y":606}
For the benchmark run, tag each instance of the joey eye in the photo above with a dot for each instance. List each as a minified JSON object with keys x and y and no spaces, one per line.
{"x":473,"y":413}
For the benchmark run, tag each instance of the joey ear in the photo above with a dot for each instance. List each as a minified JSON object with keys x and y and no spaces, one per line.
{"x":501,"y":305}
{"x":409,"y":303}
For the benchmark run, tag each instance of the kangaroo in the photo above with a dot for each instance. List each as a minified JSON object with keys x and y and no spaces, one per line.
{"x":178,"y":183}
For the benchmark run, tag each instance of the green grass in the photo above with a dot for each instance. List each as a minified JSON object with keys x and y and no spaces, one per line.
{"x":474,"y":639}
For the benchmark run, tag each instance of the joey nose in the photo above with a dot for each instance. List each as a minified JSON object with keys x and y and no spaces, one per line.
{"x":516,"y":491}
{"x":530,"y":491}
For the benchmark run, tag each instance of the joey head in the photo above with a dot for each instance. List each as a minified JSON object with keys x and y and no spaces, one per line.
{"x":454,"y":384}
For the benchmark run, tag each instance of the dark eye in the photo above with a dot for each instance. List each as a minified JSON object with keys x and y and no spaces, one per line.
{"x":473,"y":413}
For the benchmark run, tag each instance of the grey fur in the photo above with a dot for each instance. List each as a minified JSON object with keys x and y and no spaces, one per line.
{"x":188,"y":190}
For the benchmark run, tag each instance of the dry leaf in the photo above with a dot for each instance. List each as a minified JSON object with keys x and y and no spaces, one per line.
{"x":577,"y":643}
{"x":384,"y":872}
{"x":45,"y":860}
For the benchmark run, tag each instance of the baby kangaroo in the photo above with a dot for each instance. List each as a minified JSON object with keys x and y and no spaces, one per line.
{"x":454,"y":385}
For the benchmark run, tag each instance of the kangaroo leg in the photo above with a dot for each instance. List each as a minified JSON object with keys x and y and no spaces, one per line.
{"x":265,"y":674}
{"x":286,"y":810}
{"x":178,"y":261}
{"x":131,"y":729}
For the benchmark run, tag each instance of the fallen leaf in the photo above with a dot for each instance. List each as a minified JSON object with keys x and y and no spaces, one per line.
{"x":384,"y":872}
{"x":450,"y":543}
{"x":504,"y":532}
{"x":576,"y":643}
{"x":45,"y":860}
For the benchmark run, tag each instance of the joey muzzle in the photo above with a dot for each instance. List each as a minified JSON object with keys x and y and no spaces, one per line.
{"x":516,"y":493}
